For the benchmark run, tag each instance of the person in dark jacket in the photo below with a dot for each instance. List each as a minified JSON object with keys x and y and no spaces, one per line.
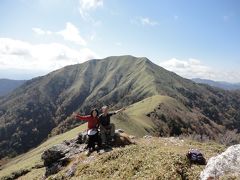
{"x":92,"y":131}
{"x":105,"y":124}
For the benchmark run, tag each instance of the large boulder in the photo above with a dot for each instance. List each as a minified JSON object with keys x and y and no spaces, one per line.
{"x":122,"y":139}
{"x":58,"y":156}
{"x":224,"y":164}
{"x":54,"y":153}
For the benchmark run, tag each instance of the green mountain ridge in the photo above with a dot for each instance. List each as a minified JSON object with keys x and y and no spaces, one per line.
{"x":153,"y":156}
{"x":41,"y":107}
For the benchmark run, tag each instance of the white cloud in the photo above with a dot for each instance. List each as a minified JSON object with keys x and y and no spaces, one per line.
{"x":92,"y":36}
{"x":16,"y":54}
{"x":40,"y":31}
{"x":90,"y":4}
{"x":85,"y":6}
{"x":193,"y":68}
{"x":146,"y":21}
{"x":71,"y":33}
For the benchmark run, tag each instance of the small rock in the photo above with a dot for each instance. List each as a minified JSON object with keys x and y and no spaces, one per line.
{"x":89,"y":159}
{"x":147,"y":137}
{"x":132,"y":137}
{"x":71,"y":170}
{"x":101,"y":151}
{"x":119,"y":131}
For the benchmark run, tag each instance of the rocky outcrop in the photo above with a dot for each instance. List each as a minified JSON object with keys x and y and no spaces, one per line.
{"x":60,"y":155}
{"x":122,"y":139}
{"x":224,"y":164}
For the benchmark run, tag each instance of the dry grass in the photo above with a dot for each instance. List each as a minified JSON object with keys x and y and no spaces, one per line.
{"x":154,"y":158}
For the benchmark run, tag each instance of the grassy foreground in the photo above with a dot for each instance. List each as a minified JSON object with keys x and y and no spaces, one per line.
{"x":153,"y":158}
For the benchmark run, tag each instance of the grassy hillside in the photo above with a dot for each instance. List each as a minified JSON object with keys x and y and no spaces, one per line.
{"x":33,"y":157}
{"x":42,"y":106}
{"x":135,"y":120}
{"x":165,"y":116}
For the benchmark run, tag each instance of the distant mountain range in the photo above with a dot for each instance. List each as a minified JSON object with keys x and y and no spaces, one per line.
{"x":8,"y":85}
{"x":219,"y":84}
{"x":42,"y":107}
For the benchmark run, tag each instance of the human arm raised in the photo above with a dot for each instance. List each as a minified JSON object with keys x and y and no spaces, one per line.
{"x":120,"y":110}
{"x":78,"y":116}
{"x":117,"y":111}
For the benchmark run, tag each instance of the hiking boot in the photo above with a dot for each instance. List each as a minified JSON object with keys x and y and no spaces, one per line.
{"x":103,"y":146}
{"x":112,"y":140}
{"x":101,"y":151}
{"x":87,"y":153}
{"x":98,"y":148}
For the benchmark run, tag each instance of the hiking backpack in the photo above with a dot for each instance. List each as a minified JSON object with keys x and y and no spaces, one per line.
{"x":196,"y":157}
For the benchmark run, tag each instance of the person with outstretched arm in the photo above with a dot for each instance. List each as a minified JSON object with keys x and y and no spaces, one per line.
{"x":105,"y":125}
{"x":92,"y":131}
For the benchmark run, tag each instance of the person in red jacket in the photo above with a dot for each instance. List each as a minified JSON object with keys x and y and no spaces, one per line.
{"x":93,"y":124}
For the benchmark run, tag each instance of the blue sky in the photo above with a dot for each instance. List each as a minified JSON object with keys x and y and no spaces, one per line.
{"x":192,"y":38}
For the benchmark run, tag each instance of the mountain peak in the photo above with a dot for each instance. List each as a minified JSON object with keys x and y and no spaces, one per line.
{"x":125,"y":58}
{"x":42,"y":106}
